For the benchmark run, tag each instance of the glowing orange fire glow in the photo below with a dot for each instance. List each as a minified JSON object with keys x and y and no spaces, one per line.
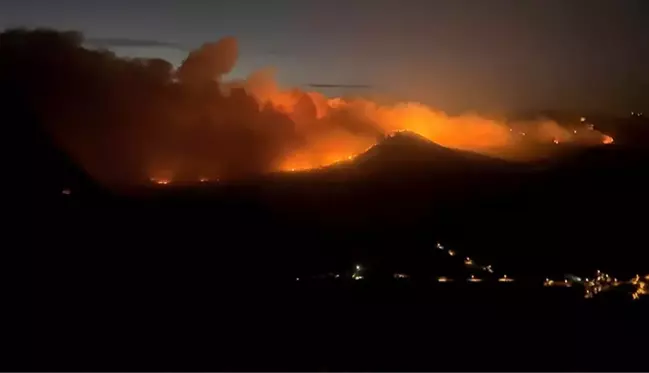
{"x":160,"y":181}
{"x":326,"y":143}
{"x":194,"y":123}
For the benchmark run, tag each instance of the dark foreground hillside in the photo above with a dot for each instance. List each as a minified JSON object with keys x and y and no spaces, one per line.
{"x":186,"y":322}
{"x":204,"y":277}
{"x":576,"y":215}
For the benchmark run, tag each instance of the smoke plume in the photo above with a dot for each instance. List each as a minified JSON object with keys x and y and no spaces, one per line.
{"x":129,"y":120}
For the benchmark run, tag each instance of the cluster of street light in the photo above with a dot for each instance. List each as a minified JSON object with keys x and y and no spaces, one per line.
{"x":470,"y":263}
{"x":640,"y":286}
{"x":357,"y":275}
{"x":602,"y":282}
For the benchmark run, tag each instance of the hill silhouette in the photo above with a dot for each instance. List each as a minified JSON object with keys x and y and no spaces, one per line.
{"x":408,"y":160}
{"x":405,"y":189}
{"x":410,"y":150}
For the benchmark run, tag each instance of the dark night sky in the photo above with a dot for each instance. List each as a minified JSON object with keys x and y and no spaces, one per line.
{"x":488,"y":55}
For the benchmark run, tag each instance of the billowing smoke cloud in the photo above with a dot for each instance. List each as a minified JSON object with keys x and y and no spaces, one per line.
{"x":128,"y":120}
{"x":209,"y":62}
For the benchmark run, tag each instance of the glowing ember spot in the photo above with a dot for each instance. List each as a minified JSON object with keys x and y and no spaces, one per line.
{"x":607,"y":140}
{"x":556,"y":141}
{"x":444,"y":279}
{"x":204,"y":180}
{"x":160,"y":181}
{"x":582,"y":119}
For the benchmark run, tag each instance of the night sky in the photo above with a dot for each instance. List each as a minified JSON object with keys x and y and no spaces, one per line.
{"x":457,"y":55}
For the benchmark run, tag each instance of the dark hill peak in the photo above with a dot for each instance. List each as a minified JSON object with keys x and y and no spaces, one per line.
{"x":407,"y":148}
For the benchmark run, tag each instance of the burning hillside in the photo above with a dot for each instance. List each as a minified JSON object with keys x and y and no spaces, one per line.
{"x":125,"y":120}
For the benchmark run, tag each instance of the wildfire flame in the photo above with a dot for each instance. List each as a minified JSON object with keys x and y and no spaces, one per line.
{"x":192,"y":123}
{"x":160,"y":181}
{"x":323,"y":123}
{"x":469,"y":132}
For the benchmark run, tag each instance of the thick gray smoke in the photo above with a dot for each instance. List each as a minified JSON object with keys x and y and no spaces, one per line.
{"x":209,"y":62}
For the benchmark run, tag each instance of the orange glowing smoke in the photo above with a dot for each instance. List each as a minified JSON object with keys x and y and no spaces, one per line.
{"x":328,"y":141}
{"x":336,"y":130}
{"x":151,"y":120}
{"x":329,"y":144}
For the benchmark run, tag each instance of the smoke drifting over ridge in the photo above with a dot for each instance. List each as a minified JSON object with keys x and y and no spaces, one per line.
{"x":127,"y":120}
